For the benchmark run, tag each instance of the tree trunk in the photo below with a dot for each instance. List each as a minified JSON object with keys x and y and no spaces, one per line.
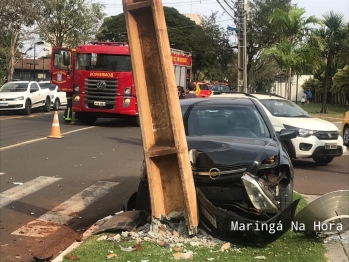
{"x":11,"y":64}
{"x":324,"y":109}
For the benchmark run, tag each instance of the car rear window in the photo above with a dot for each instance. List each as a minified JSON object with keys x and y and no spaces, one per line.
{"x":52,"y":87}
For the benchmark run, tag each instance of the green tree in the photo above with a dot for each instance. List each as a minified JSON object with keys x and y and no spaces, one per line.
{"x":294,"y":31}
{"x":341,"y":82}
{"x":69,"y":22}
{"x":261,"y":34}
{"x":333,"y":38}
{"x":15,"y":16}
{"x":183,"y":34}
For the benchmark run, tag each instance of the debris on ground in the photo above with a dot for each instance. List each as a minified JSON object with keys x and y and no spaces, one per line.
{"x":259,"y":257}
{"x":186,"y":255}
{"x":127,"y":249}
{"x":112,"y":255}
{"x":72,"y":257}
{"x":18,"y":183}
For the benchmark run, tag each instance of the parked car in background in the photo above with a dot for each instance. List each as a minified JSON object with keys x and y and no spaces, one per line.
{"x":219,"y":89}
{"x":345,"y":129}
{"x":202,"y":89}
{"x":317,"y":138}
{"x":241,"y":172}
{"x":58,"y":98}
{"x":23,"y":96}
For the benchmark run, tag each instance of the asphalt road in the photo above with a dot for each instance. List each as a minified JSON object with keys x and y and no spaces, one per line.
{"x":70,"y":183}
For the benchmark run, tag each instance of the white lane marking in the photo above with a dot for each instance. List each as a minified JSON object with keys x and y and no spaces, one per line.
{"x":51,"y":221}
{"x":40,"y":139}
{"x":15,"y":193}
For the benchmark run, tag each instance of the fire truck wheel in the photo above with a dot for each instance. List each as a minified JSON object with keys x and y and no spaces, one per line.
{"x":86,"y":119}
{"x":135,"y":121}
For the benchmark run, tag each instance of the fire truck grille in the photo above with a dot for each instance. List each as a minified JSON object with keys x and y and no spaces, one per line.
{"x":101,"y":90}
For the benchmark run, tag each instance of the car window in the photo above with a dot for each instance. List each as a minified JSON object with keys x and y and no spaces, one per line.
{"x":14,"y":87}
{"x":283,"y":108}
{"x":204,"y":87}
{"x":240,"y":121}
{"x":33,"y":87}
{"x":50,"y":86}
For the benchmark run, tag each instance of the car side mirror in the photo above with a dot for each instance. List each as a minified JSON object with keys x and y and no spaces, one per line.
{"x":288,"y":133}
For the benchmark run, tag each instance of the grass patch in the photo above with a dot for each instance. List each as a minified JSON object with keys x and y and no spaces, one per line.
{"x":335,"y":112}
{"x":290,"y":247}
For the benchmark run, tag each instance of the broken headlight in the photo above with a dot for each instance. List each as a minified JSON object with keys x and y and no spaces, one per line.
{"x":260,"y":199}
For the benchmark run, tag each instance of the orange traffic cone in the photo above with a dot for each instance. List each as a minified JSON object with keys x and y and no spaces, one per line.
{"x":55,"y":131}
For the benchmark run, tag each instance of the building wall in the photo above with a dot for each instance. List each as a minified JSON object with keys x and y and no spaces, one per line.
{"x":279,"y":87}
{"x":194,"y":17}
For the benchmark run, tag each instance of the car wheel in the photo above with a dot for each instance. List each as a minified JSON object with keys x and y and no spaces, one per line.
{"x":27,"y":108}
{"x":323,"y":160}
{"x":285,"y":196}
{"x":143,"y":198}
{"x":346,"y":135}
{"x":56,"y":104}
{"x":135,"y":121}
{"x":47,"y":105}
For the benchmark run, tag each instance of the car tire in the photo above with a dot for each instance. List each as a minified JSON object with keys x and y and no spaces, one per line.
{"x":346,"y":135}
{"x":27,"y":108}
{"x":135,"y":121}
{"x":285,"y":196}
{"x":143,"y":197}
{"x":56,"y":105}
{"x":323,"y":160}
{"x":47,"y":105}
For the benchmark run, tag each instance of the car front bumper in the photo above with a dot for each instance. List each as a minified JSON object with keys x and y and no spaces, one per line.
{"x":227,"y":225}
{"x":12,"y":105}
{"x":307,"y":147}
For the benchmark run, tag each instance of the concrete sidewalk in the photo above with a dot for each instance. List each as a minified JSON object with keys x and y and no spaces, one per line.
{"x":337,"y":246}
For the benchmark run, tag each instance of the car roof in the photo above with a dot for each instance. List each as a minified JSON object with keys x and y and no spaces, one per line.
{"x":253,"y":95}
{"x":215,"y":101}
{"x":18,"y":82}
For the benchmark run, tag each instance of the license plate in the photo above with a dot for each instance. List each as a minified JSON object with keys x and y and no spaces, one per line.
{"x":330,"y":146}
{"x":99,"y":103}
{"x":3,"y":104}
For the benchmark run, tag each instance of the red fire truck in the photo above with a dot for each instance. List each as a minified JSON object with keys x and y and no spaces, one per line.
{"x":99,"y":75}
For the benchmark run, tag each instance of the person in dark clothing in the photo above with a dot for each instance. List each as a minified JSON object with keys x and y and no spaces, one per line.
{"x":191,"y":94}
{"x":181,"y":93}
{"x":68,"y":112}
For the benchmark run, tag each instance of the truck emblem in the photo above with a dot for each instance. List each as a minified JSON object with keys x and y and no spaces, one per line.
{"x":329,"y":135}
{"x":101,"y":85}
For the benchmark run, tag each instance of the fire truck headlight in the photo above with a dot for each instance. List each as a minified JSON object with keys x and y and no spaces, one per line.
{"x":76,"y":89}
{"x":77,"y":98}
{"x":126,"y":102}
{"x":127,"y":91}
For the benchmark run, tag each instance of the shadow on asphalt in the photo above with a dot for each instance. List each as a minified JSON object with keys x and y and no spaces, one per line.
{"x":131,"y":141}
{"x":308,"y":164}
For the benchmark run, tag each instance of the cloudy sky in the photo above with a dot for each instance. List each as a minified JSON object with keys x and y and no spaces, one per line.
{"x":206,"y":7}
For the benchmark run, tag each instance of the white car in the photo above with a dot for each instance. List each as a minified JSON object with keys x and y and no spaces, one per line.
{"x":23,"y":96}
{"x":58,"y":98}
{"x":317,"y":138}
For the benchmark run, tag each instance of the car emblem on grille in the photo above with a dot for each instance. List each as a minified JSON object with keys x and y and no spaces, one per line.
{"x":329,"y":135}
{"x":4,"y":99}
{"x":101,"y":85}
{"x":214,"y":173}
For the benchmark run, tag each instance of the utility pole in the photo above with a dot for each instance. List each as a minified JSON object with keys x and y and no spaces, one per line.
{"x":242,"y":63}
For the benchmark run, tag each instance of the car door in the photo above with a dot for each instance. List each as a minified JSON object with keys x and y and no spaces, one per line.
{"x":35,"y":94}
{"x":62,"y":96}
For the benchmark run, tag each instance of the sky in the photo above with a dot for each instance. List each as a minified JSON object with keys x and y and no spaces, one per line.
{"x":206,"y":7}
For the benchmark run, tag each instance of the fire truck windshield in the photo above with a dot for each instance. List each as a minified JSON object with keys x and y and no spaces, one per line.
{"x":104,"y":62}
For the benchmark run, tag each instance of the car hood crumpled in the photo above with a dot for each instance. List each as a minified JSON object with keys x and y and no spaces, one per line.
{"x":223,"y":151}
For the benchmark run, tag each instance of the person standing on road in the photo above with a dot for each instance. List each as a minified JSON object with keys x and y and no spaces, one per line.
{"x":191,"y":93}
{"x":68,"y":113}
{"x":308,"y":95}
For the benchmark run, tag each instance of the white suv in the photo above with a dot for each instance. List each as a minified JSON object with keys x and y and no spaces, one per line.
{"x":58,"y":98}
{"x":317,"y":138}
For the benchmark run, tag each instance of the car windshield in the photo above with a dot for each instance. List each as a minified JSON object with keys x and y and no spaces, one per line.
{"x":104,"y":62}
{"x":216,"y":120}
{"x":220,"y":88}
{"x":283,"y":108}
{"x":14,"y":87}
{"x":50,"y":86}
{"x":204,"y":87}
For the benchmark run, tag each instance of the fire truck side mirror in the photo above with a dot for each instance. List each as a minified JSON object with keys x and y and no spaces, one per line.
{"x":66,"y":59}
